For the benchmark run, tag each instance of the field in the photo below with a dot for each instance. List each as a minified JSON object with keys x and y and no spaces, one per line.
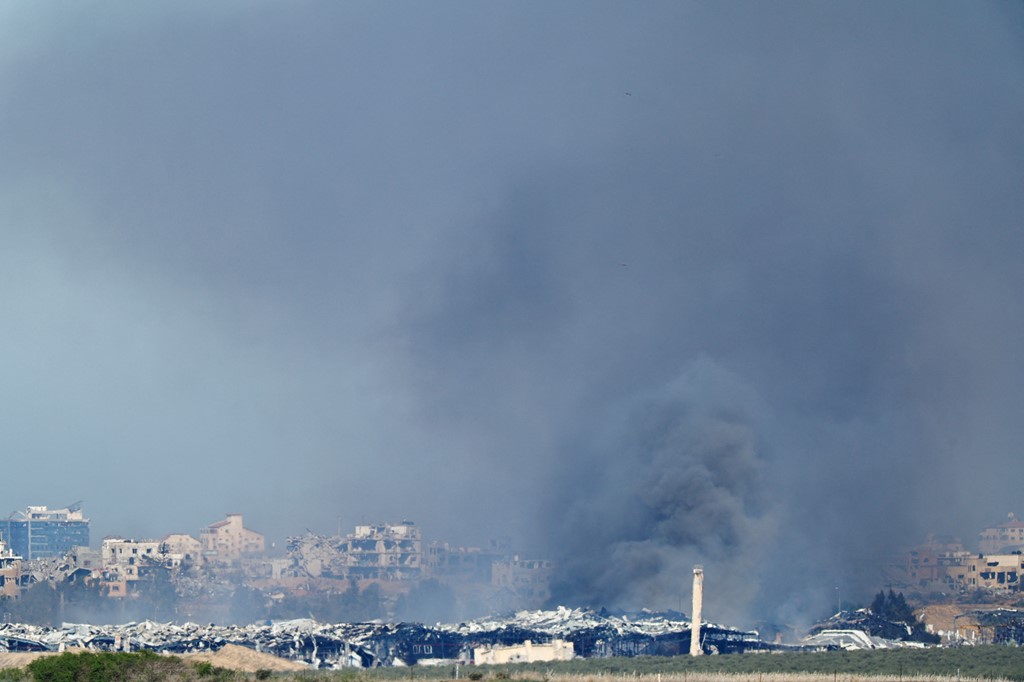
{"x":987,"y":662}
{"x":899,"y":665}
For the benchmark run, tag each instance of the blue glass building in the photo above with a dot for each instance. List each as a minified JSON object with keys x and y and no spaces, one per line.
{"x":39,"y":532}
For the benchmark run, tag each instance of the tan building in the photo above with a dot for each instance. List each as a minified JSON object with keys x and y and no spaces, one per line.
{"x":384,"y":552}
{"x":467,"y":563}
{"x":527,"y":652}
{"x":993,"y":571}
{"x":10,"y":573}
{"x":125,"y":557}
{"x":229,"y":540}
{"x":1004,"y":538}
{"x":526,"y":578}
{"x":931,"y":561}
{"x":179,"y":548}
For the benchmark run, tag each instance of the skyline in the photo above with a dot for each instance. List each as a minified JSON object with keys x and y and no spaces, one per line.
{"x":678,"y":281}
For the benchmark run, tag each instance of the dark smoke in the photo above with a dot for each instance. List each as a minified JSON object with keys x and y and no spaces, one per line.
{"x":380,"y":261}
{"x":677,"y":482}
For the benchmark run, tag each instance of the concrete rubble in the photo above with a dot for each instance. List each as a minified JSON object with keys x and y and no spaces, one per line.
{"x":849,"y":640}
{"x":342,"y":645}
{"x":600,"y":634}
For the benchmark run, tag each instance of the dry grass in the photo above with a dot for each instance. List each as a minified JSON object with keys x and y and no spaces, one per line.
{"x":745,"y":677}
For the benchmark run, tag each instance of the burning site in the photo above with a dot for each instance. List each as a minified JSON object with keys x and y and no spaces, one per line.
{"x":427,"y":315}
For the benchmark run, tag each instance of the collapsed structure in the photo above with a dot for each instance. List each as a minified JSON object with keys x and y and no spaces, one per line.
{"x":396,"y":556}
{"x":562,"y":631}
{"x":989,"y":626}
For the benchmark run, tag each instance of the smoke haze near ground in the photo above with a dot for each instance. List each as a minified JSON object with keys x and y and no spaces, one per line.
{"x":663,"y":283}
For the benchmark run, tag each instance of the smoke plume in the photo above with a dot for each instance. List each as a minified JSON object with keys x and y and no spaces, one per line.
{"x":676,"y":482}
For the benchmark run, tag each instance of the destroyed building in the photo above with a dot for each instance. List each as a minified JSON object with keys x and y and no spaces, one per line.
{"x":384,"y":552}
{"x":995,"y":626}
{"x":990,"y":571}
{"x":125,"y":562}
{"x":343,"y":645}
{"x":10,"y":572}
{"x":39,"y":532}
{"x":472,"y":563}
{"x":227,"y":541}
{"x":394,"y":556}
{"x":942,"y":562}
{"x":528,"y":579}
{"x":127,"y":556}
{"x":180,"y":548}
{"x":931,"y":561}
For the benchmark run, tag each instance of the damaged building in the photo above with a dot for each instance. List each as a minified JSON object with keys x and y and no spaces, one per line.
{"x":384,"y":552}
{"x":932,"y":561}
{"x":39,"y":532}
{"x":943,"y":563}
{"x":472,"y":563}
{"x":180,"y":548}
{"x":990,"y":571}
{"x":395,"y":557}
{"x":527,"y":579}
{"x":10,"y":573}
{"x":995,"y":626}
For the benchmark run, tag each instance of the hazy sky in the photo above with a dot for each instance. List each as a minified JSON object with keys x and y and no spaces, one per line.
{"x":663,"y":282}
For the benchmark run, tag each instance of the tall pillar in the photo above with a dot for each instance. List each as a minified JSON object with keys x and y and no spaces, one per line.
{"x":698,"y":603}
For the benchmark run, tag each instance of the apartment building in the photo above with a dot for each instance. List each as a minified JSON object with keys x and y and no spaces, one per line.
{"x":227,"y":541}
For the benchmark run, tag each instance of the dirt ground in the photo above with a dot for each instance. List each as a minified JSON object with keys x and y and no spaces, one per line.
{"x":234,"y":657}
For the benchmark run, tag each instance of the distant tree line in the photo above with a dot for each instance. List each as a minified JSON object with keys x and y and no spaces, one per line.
{"x":894,"y":607}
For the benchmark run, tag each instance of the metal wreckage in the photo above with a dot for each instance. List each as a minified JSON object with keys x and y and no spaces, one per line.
{"x":364,"y":645}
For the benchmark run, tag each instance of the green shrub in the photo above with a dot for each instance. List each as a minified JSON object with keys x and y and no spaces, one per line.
{"x":104,"y":667}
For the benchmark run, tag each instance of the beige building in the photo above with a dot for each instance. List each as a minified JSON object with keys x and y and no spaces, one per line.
{"x":1004,"y":538}
{"x":467,"y":563}
{"x":383,"y":552}
{"x":527,"y":652}
{"x":179,"y":548}
{"x":526,"y":578}
{"x":932,"y":561}
{"x":993,"y":571}
{"x":125,"y":557}
{"x":229,"y":540}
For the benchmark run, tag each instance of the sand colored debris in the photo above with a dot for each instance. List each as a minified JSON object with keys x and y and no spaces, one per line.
{"x":235,"y":657}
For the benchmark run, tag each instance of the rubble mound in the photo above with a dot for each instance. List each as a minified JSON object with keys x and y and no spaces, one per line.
{"x":235,"y":657}
{"x":603,"y":634}
{"x":876,"y":626}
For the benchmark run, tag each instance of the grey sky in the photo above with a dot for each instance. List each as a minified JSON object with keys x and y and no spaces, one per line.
{"x":325,"y":262}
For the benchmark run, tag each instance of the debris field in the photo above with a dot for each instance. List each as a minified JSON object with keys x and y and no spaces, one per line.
{"x":363,"y":645}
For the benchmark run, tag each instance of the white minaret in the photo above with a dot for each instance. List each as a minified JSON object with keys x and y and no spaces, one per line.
{"x":698,"y":603}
